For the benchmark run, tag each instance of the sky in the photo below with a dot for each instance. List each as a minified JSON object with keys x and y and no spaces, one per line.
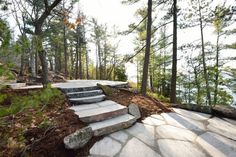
{"x":112,"y":13}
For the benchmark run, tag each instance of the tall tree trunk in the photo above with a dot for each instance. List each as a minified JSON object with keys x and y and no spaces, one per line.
{"x":42,"y":56}
{"x":65,"y":43}
{"x":32,"y":58}
{"x":164,"y":75}
{"x":189,"y":90}
{"x":72,"y":62}
{"x":105,"y":61}
{"x":77,"y":54}
{"x":87,"y":63}
{"x":65,"y":51}
{"x":147,"y":50}
{"x":32,"y":64}
{"x":151,"y":73}
{"x":80,"y":62}
{"x":57,"y":59}
{"x":38,"y":33}
{"x":44,"y":64}
{"x":50,"y":64}
{"x":99,"y":60}
{"x":197,"y":84}
{"x":174,"y":57}
{"x":151,"y":81}
{"x":204,"y":58}
{"x":217,"y":69}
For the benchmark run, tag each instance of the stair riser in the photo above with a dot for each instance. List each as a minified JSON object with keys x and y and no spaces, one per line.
{"x":104,"y":116}
{"x":70,"y":90}
{"x":80,"y":95}
{"x":87,"y":101}
{"x":114,"y":128}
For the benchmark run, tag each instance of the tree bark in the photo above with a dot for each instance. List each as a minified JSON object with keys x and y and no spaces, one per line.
{"x":147,"y":50}
{"x":87,"y":63}
{"x":72,"y":62}
{"x":217,"y":69}
{"x":65,"y":45}
{"x":32,"y":64}
{"x":80,"y":62}
{"x":151,"y":81}
{"x":57,"y":58}
{"x":65,"y":51}
{"x":198,"y":85}
{"x":105,"y":61}
{"x":38,"y":23}
{"x":77,"y":53}
{"x":204,"y":57}
{"x":174,"y":57}
{"x":99,"y":60}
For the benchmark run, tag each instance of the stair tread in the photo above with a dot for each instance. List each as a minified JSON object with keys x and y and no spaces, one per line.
{"x":99,"y":110}
{"x":88,"y":98}
{"x":111,"y":122}
{"x":82,"y":107}
{"x":90,"y":91}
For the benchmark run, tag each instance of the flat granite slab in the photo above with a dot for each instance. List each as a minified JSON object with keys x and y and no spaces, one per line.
{"x":87,"y":83}
{"x":178,"y":120}
{"x":174,"y":135}
{"x":192,"y":114}
{"x":76,"y":84}
{"x":101,"y":113}
{"x":217,"y":145}
{"x":136,"y":148}
{"x":222,"y":127}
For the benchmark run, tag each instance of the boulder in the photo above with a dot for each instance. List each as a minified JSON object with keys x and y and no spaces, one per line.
{"x":106,"y":89}
{"x":225,"y":111}
{"x":134,"y":110}
{"x":79,"y":138}
{"x":58,"y":78}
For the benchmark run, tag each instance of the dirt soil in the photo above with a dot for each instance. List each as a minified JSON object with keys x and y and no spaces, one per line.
{"x":147,"y":105}
{"x":37,"y":132}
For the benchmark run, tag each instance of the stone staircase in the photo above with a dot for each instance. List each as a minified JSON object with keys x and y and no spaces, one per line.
{"x":103,"y":116}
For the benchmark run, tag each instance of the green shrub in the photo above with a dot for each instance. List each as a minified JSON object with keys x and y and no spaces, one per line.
{"x":34,"y":100}
{"x":5,"y":72}
{"x":2,"y":98}
{"x":158,"y":97}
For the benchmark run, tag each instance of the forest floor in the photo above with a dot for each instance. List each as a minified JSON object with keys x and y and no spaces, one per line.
{"x":39,"y":131}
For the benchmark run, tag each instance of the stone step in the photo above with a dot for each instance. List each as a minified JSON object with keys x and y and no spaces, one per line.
{"x":99,"y":113}
{"x":84,"y":94}
{"x":70,"y":90}
{"x":87,"y":100}
{"x":82,"y":107}
{"x":112,"y":125}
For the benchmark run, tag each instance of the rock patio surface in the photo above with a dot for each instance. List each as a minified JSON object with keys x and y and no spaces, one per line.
{"x":70,"y":84}
{"x":180,"y":134}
